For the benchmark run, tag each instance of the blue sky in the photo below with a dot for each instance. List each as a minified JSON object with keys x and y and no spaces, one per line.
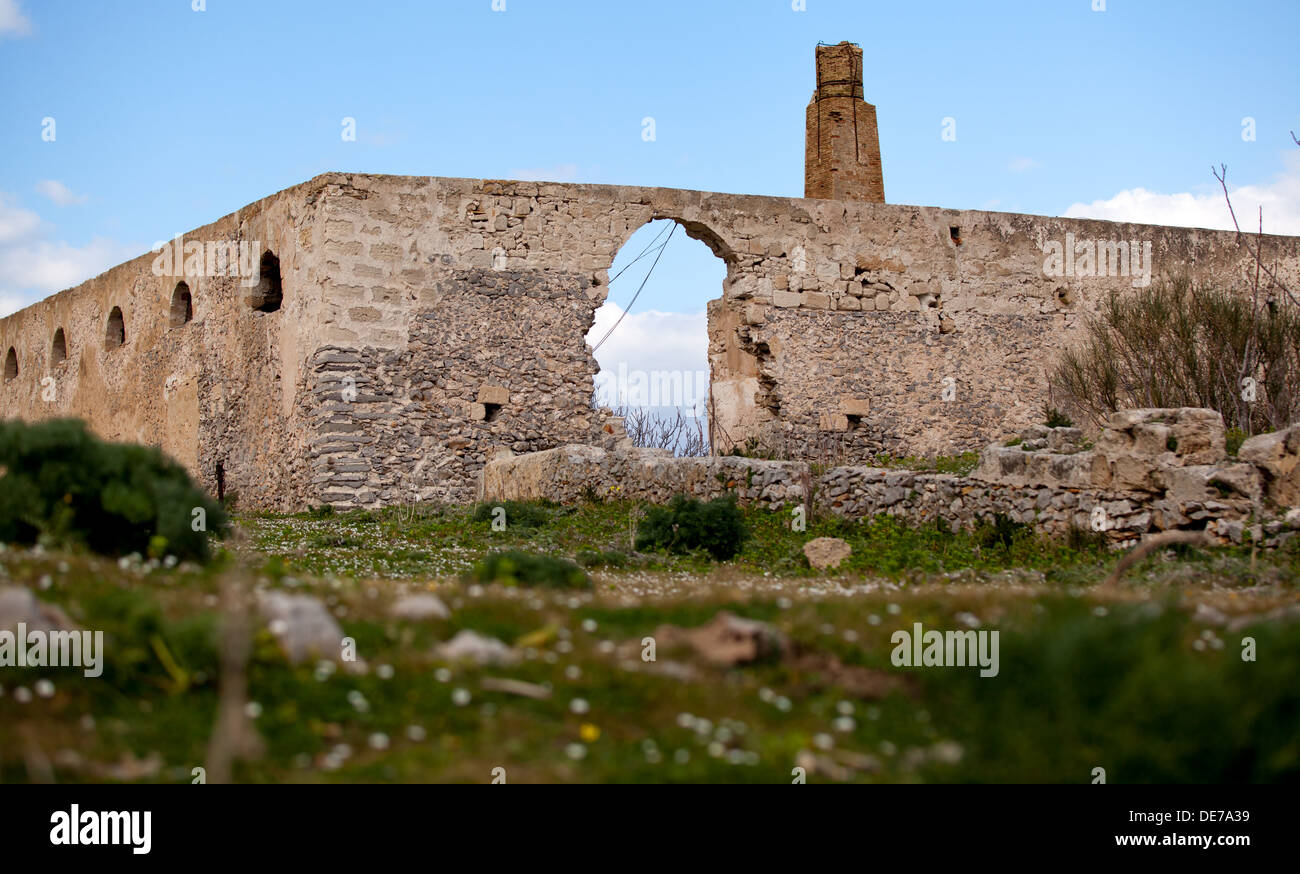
{"x":166,"y":118}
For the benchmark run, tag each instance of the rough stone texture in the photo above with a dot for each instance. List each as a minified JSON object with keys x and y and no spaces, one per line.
{"x":1278,"y":456}
{"x":1053,"y":492}
{"x":826,"y":552}
{"x":409,"y":303}
{"x":1136,"y":444}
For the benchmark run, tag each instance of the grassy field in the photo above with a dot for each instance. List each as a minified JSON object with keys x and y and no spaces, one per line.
{"x":1146,"y":681}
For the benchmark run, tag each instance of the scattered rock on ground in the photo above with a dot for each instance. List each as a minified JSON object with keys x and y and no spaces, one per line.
{"x":826,"y":552}
{"x":826,"y":671}
{"x":728,"y":640}
{"x":419,"y":607}
{"x":19,"y":604}
{"x":471,"y":646}
{"x":302,"y":625}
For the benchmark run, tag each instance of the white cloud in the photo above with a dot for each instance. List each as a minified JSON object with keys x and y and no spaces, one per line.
{"x":59,"y":194}
{"x":53,"y":265}
{"x":12,"y":20}
{"x":555,"y":173}
{"x":647,"y":342}
{"x":1021,"y":165}
{"x":33,"y":265}
{"x":1280,"y":200}
{"x":16,"y":223}
{"x":11,"y":303}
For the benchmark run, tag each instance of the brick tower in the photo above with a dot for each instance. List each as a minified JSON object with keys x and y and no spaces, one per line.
{"x":842,"y":156}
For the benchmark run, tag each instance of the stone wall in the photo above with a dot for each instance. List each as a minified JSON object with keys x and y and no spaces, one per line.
{"x":1130,"y":485}
{"x":215,"y":392}
{"x":848,"y":328}
{"x":418,"y":421}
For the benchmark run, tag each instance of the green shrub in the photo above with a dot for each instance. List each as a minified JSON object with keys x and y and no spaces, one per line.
{"x":1178,"y":344}
{"x":1085,"y":540}
{"x":65,"y":486}
{"x":999,"y":531}
{"x":516,"y":568}
{"x":608,"y":558}
{"x":688,"y":524}
{"x":519,"y":514}
{"x":1054,"y":418}
{"x":1234,"y":438}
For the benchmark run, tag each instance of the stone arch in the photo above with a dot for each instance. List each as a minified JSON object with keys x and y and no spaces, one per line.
{"x":653,"y":383}
{"x":11,"y":364}
{"x":706,"y":235}
{"x":115,"y":331}
{"x":58,"y":347}
{"x":182,"y":308}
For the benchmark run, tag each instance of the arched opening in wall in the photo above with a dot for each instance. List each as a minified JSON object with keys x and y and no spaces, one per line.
{"x":182,"y":305}
{"x":11,"y":364}
{"x":268,"y":294}
{"x":651,"y":336}
{"x":115,"y":334}
{"x":58,"y":348}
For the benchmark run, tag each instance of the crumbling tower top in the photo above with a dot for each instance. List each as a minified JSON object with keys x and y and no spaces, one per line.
{"x":842,"y":156}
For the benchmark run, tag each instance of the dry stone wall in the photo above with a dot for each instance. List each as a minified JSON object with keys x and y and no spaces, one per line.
{"x":1047,"y":481}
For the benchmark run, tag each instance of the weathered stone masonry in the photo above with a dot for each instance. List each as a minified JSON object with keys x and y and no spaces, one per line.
{"x":427,"y":322}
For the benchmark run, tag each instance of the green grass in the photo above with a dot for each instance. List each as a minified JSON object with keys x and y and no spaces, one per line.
{"x":447,"y":541}
{"x":959,"y":465}
{"x":1130,"y":680}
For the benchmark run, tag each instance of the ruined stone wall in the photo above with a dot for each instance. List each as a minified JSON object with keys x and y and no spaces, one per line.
{"x":217,"y":390}
{"x":429,"y":321}
{"x":1132,"y":484}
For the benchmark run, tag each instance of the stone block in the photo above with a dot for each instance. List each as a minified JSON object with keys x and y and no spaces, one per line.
{"x":493,"y":394}
{"x":851,"y":406}
{"x":833,"y":422}
{"x":1277,"y":456}
{"x":817,"y":300}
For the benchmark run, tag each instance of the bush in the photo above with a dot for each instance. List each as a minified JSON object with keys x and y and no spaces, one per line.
{"x":609,"y":558}
{"x":998,"y":531}
{"x":1054,"y":418}
{"x":1176,"y":344}
{"x":688,"y":524}
{"x":516,"y":568}
{"x":65,"y":486}
{"x":1233,"y":439}
{"x":519,"y":514}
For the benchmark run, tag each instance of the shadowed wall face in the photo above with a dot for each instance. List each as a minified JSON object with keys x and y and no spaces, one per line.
{"x":842,"y":159}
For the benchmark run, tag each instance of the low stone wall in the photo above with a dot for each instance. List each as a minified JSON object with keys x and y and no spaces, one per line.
{"x":1029,"y":483}
{"x":573,"y":473}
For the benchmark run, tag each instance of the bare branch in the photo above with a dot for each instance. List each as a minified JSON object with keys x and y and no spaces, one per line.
{"x":1222,"y":176}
